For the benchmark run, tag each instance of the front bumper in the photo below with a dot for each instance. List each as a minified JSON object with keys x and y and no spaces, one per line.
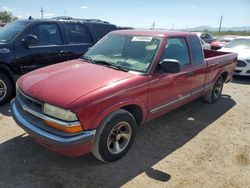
{"x":70,"y":146}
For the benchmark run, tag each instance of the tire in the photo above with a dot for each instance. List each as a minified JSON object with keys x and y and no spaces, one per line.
{"x":214,"y":94}
{"x":6,"y":89}
{"x":117,"y":131}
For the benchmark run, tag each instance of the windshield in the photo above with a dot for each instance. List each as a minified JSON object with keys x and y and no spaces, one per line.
{"x":244,"y":43}
{"x":130,"y":52}
{"x":9,"y":31}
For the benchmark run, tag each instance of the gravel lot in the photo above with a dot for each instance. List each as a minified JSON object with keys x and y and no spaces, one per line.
{"x":197,"y":145}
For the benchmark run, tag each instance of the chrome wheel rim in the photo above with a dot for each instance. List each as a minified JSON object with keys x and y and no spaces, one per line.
{"x":218,"y":89}
{"x":3,"y":89}
{"x":119,"y":137}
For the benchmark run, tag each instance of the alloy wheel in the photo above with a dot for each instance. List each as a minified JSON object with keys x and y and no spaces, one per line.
{"x":119,"y":137}
{"x":3,"y":90}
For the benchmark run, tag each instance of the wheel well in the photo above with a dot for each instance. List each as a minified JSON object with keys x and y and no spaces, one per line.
{"x":136,"y":111}
{"x":7,"y":73}
{"x":224,"y":76}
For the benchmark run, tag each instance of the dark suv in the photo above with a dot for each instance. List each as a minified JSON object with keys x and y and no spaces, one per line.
{"x":26,"y":45}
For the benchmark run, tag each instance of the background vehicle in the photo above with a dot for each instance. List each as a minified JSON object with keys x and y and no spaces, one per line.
{"x":127,"y":78}
{"x":205,"y":46}
{"x":221,"y":41}
{"x":240,"y":45}
{"x":208,"y":38}
{"x":26,"y":45}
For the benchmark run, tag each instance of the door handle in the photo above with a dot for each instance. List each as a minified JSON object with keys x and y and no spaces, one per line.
{"x":60,"y":51}
{"x":190,"y":74}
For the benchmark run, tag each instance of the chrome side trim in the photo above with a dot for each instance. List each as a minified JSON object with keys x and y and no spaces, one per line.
{"x":170,"y":103}
{"x":208,"y":86}
{"x":84,"y":137}
{"x":197,"y":91}
{"x":45,"y":117}
{"x":176,"y":101}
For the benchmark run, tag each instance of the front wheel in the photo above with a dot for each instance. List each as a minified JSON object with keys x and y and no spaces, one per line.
{"x":215,"y":93}
{"x":114,"y":136}
{"x":6,"y":89}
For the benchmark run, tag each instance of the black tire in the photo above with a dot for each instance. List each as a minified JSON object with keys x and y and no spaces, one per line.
{"x":6,"y":89}
{"x":103,"y":147}
{"x":214,"y":94}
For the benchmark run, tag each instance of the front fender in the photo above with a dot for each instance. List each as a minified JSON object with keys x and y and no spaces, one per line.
{"x":102,"y":114}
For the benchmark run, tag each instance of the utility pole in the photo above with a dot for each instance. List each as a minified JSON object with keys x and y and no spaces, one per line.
{"x":65,"y":13}
{"x":42,"y":11}
{"x":221,"y":18}
{"x":153,"y":26}
{"x":173,"y":26}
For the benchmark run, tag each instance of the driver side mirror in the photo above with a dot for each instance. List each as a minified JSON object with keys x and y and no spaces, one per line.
{"x":29,"y":40}
{"x":170,"y":65}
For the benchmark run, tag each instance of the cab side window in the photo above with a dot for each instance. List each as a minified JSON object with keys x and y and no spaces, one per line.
{"x":177,"y":48}
{"x":78,"y":33}
{"x":47,"y":34}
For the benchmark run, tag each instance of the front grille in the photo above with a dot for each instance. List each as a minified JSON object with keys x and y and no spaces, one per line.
{"x":30,"y":102}
{"x":238,"y":71}
{"x":241,"y":63}
{"x":248,"y":71}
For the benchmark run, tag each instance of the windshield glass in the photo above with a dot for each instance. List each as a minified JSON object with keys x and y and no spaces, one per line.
{"x":9,"y":31}
{"x":130,"y":52}
{"x":244,"y":43}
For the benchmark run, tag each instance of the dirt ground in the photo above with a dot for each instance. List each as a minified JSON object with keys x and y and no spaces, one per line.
{"x":198,"y":145}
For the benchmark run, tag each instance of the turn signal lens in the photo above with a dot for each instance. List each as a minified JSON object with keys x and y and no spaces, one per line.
{"x":68,"y":129}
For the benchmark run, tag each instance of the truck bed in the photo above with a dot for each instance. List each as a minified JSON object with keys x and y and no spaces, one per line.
{"x":219,"y":61}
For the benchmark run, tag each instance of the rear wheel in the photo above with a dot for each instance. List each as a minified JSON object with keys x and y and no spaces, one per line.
{"x":114,"y":136}
{"x":215,"y":94}
{"x":6,"y":89}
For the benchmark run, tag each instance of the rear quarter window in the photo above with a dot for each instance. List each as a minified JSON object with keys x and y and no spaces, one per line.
{"x":103,"y":29}
{"x":78,"y":33}
{"x":197,"y":51}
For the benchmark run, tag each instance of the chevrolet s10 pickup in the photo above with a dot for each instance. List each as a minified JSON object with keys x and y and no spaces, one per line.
{"x":95,"y":103}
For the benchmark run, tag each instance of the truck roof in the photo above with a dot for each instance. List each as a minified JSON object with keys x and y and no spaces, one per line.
{"x":153,"y":33}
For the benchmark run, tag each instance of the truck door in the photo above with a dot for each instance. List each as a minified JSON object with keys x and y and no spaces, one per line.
{"x":168,"y":90}
{"x":48,"y":49}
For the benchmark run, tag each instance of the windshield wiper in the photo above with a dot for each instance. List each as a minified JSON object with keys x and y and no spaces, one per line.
{"x":111,"y":65}
{"x":88,"y":59}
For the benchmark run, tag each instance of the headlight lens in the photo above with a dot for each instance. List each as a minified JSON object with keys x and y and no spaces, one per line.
{"x":59,"y":113}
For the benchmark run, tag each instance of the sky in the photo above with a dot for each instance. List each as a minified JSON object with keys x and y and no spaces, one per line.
{"x":168,"y":14}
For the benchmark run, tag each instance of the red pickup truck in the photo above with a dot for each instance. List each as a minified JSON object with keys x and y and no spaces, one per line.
{"x":94,"y":104}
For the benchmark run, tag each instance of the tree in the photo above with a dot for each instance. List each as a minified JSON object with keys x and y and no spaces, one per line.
{"x":6,"y":17}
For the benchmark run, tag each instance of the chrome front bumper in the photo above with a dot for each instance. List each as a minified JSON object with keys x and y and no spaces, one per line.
{"x":48,"y":137}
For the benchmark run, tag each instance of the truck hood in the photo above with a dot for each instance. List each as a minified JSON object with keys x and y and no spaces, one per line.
{"x":63,"y":83}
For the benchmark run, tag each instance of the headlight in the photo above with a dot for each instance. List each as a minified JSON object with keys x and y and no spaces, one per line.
{"x":59,"y":113}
